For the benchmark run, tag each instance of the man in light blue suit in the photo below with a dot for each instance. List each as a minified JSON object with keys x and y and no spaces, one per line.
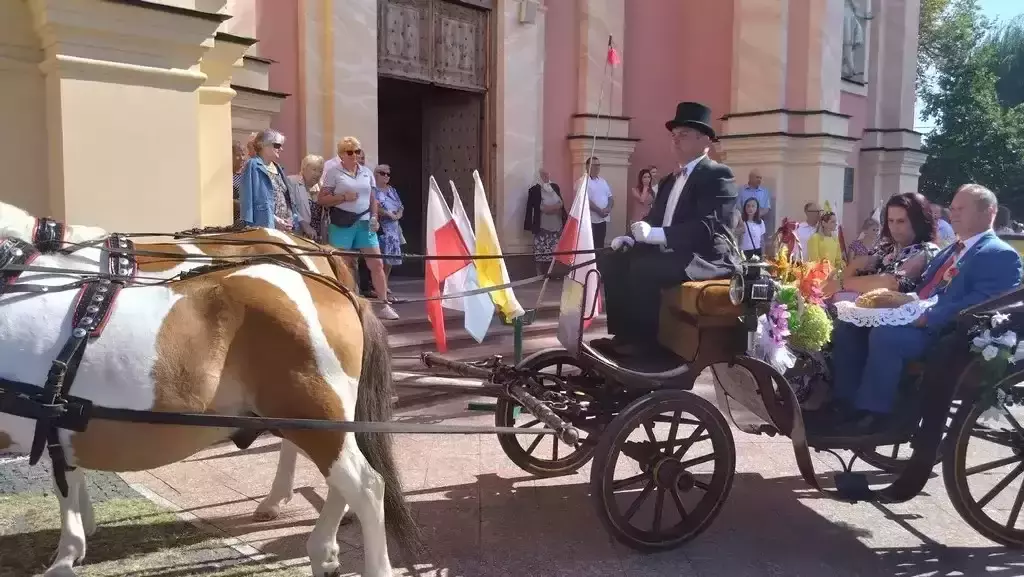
{"x":973,"y":269}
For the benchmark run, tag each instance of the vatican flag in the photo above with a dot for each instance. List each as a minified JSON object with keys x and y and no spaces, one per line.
{"x":491,"y":271}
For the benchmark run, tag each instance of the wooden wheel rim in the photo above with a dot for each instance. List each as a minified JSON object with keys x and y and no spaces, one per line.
{"x":697,"y":518}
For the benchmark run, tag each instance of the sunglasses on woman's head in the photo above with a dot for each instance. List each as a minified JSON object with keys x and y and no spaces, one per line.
{"x":355,"y":152}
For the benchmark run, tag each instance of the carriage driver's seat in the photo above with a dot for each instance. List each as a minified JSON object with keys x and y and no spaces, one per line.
{"x":698,"y":320}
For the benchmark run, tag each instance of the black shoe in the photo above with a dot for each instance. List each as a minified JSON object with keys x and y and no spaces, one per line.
{"x":828,"y":418}
{"x":865,"y":423}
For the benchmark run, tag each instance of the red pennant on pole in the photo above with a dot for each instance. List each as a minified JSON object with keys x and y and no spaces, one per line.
{"x":613,"y":54}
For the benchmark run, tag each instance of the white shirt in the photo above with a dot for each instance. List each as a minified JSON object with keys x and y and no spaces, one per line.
{"x":753,"y":235}
{"x":803,"y":233}
{"x":361,"y":183}
{"x":600,"y":194}
{"x":677,"y":189}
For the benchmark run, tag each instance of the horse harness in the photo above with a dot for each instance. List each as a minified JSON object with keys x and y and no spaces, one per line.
{"x":93,"y":305}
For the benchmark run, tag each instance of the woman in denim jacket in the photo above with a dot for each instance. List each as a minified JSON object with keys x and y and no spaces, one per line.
{"x":267,"y":197}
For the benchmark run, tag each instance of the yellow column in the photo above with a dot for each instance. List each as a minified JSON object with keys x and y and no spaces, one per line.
{"x":215,"y":97}
{"x":122,"y":113}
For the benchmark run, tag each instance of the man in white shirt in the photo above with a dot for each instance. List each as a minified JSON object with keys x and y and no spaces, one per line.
{"x":812,"y":213}
{"x":601,"y":200}
{"x":686,"y":236}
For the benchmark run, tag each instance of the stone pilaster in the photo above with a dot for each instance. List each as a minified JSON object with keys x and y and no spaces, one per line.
{"x":890,"y":155}
{"x":255,"y":105}
{"x":215,"y":127}
{"x":599,"y":104}
{"x":338,"y":61}
{"x":122,"y":111}
{"x":520,"y":118}
{"x":784,"y":120}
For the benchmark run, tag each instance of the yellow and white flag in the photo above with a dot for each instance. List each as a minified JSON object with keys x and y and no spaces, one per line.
{"x":491,"y":272}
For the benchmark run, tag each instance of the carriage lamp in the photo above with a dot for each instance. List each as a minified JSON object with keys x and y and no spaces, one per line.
{"x":752,"y":285}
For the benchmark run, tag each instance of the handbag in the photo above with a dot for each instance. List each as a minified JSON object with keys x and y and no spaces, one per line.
{"x":343,"y":218}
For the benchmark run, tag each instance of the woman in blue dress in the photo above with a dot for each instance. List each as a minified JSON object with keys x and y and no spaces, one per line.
{"x":389,"y":211}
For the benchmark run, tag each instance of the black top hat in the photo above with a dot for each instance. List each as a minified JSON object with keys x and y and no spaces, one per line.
{"x":694,"y":115}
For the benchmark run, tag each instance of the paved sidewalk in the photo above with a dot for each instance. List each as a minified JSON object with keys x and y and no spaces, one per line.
{"x":484,"y":517}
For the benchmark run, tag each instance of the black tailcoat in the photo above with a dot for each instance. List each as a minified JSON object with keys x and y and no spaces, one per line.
{"x":699,"y":237}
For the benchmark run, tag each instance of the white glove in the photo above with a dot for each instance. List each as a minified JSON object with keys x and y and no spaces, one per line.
{"x":645,"y":233}
{"x":622,"y":243}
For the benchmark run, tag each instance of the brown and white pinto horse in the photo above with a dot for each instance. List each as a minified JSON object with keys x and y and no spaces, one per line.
{"x":252,"y":339}
{"x":166,"y":260}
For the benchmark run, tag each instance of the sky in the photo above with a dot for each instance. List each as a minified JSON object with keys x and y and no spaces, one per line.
{"x":994,"y":9}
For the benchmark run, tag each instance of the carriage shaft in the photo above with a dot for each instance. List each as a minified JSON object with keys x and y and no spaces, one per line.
{"x":565,"y":432}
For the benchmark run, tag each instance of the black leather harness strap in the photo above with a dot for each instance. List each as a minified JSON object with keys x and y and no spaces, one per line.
{"x":48,"y":234}
{"x":92,"y":310}
{"x":15,"y":254}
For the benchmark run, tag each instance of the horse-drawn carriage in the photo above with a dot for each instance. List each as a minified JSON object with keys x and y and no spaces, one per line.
{"x":664,"y":457}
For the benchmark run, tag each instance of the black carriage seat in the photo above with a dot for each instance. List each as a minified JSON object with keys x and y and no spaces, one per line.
{"x":698,"y":320}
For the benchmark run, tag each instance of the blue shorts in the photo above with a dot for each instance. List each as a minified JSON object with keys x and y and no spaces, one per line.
{"x":353,"y":237}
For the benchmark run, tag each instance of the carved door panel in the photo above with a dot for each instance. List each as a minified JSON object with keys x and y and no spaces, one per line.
{"x":452,"y":140}
{"x":404,"y":39}
{"x":460,"y":55}
{"x":434,"y":41}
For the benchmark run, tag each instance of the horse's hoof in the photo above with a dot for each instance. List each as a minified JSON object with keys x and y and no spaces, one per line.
{"x":266,"y":514}
{"x":60,"y":572}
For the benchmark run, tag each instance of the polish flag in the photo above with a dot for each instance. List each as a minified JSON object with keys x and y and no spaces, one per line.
{"x":443,"y":239}
{"x":478,"y":310}
{"x":578,"y":236}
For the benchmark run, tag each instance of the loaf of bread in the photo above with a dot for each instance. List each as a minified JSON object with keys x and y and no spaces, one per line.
{"x":883,"y":299}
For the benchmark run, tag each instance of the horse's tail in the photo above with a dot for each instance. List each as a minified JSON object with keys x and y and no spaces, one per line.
{"x":374,"y":404}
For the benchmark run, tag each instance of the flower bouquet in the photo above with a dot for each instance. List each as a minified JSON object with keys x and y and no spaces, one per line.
{"x":810,"y":327}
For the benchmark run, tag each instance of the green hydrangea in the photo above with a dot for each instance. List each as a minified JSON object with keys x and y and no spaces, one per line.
{"x":814,"y":329}
{"x":789,"y":296}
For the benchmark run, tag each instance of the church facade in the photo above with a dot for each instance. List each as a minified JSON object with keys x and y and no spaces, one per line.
{"x":818,"y":95}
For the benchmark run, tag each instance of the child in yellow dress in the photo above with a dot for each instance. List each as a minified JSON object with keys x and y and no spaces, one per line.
{"x":824,"y":244}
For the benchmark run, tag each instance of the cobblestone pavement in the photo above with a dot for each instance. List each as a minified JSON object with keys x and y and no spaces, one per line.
{"x":484,"y":517}
{"x":16,"y":476}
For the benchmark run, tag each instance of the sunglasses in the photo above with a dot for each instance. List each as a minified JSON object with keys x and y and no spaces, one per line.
{"x":355,"y":152}
{"x":382,"y":173}
{"x":278,"y":145}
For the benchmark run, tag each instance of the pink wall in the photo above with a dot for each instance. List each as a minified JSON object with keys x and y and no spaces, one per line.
{"x":277,"y":27}
{"x":561,"y":33}
{"x":673,"y":51}
{"x":855,"y":212}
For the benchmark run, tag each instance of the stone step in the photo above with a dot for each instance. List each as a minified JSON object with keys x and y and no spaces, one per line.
{"x":411,"y":343}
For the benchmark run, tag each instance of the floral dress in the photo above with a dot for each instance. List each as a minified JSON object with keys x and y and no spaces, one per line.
{"x":891,"y":261}
{"x":390,"y":231}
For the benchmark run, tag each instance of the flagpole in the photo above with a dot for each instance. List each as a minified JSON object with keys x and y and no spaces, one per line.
{"x":586,"y":180}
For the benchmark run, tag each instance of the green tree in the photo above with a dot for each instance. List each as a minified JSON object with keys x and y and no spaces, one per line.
{"x":1008,"y":63}
{"x":975,"y":139}
{"x":931,"y":14}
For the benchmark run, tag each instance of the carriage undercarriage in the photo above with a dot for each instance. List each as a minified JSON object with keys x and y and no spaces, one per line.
{"x":664,"y":457}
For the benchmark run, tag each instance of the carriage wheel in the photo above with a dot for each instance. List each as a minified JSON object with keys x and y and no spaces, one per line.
{"x":662,"y":470}
{"x":543,"y":456}
{"x":984,"y":472}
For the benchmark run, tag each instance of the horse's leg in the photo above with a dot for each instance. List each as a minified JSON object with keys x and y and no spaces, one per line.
{"x":284,"y":483}
{"x":71,"y":548}
{"x":350,"y":482}
{"x":88,"y":514}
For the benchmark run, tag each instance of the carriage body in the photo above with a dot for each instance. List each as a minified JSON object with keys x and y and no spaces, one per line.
{"x":622,"y":405}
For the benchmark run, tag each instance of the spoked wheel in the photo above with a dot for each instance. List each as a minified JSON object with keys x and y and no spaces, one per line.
{"x":662,"y":470}
{"x":545,"y":456}
{"x":984,"y":474}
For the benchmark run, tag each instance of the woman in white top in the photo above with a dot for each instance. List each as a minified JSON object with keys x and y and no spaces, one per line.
{"x":347,"y":194}
{"x":752,"y":229}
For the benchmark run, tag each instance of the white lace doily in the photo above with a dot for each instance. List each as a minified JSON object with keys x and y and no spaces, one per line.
{"x":904,"y":315}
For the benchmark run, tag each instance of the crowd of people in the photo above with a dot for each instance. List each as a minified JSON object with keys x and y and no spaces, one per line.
{"x":340,"y":202}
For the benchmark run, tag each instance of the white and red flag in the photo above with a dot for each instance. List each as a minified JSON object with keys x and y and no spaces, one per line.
{"x":579,"y":236}
{"x":443,"y":239}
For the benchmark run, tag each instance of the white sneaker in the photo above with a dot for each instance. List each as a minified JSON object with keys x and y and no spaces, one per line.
{"x":387,"y":313}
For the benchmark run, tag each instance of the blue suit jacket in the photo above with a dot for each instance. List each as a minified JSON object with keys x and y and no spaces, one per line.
{"x":988,"y":269}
